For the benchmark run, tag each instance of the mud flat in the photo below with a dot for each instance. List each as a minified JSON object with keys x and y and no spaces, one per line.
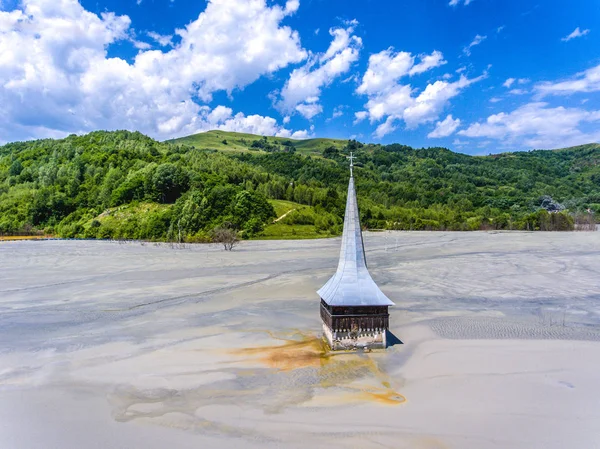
{"x":140,"y":345}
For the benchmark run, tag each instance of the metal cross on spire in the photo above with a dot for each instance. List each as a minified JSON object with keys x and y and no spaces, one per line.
{"x":351,"y":157}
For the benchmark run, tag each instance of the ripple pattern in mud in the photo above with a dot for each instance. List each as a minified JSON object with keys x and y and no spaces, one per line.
{"x":478,"y":328}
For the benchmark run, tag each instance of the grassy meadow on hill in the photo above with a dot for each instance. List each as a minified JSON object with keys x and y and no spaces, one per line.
{"x":126,"y":185}
{"x":241,"y":142}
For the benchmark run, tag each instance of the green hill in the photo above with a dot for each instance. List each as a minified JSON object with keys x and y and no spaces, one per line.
{"x":240,"y":142}
{"x":126,"y":185}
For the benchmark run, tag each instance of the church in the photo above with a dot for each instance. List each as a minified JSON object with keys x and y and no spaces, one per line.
{"x":353,"y":308}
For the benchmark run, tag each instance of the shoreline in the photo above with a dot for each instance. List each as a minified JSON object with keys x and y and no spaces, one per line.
{"x":298,"y":238}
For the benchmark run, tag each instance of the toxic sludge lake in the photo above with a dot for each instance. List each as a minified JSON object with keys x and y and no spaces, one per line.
{"x":108,"y":345}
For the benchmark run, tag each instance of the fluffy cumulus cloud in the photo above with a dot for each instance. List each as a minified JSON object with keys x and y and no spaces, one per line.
{"x":445,"y":128}
{"x":223,"y":118}
{"x":386,"y":67}
{"x":65,"y":82}
{"x":584,"y":82}
{"x":537,"y":125}
{"x":302,"y":90}
{"x":575,"y":34}
{"x":390,"y":101}
{"x":430,"y":103}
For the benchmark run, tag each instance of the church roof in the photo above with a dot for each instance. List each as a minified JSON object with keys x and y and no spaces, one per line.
{"x":352,"y":285}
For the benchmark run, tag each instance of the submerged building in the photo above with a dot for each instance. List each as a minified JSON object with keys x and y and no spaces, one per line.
{"x":353,"y":308}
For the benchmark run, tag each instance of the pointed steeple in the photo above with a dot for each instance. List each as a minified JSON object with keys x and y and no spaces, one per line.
{"x":352,"y":285}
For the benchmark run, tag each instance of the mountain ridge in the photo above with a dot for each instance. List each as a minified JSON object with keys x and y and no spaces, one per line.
{"x":213,"y":139}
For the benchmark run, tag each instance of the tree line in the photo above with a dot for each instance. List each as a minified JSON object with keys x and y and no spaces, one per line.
{"x":126,"y":185}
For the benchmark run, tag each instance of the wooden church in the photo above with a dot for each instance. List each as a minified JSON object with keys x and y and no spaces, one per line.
{"x":353,"y":308}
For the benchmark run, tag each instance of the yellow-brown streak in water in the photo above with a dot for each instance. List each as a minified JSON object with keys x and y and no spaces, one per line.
{"x":309,"y":351}
{"x":335,"y":369}
{"x":9,"y":238}
{"x":388,"y":397}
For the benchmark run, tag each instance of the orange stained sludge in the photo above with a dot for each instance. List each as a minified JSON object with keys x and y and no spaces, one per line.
{"x":334,"y":370}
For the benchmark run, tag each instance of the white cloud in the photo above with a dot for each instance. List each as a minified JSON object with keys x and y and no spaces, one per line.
{"x":445,"y":128}
{"x":495,"y":100}
{"x":476,"y":41}
{"x":164,"y":40}
{"x":303,"y":89}
{"x":65,"y":82}
{"x":587,"y":81}
{"x":222,"y":118}
{"x":360,"y":116}
{"x":536,"y":125}
{"x":430,"y":103}
{"x":309,"y":110}
{"x":509,"y":82}
{"x":385,"y":128}
{"x":576,"y":33}
{"x":500,"y":28}
{"x":457,"y":2}
{"x":292,"y":6}
{"x":338,"y":111}
{"x":518,"y":91}
{"x":141,"y":45}
{"x":428,"y":62}
{"x":386,"y":67}
{"x":392,"y":101}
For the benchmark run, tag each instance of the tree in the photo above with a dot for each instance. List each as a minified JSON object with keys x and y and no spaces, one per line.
{"x":48,"y":205}
{"x":16,"y":168}
{"x":189,"y":212}
{"x":331,"y":152}
{"x":170,"y":181}
{"x":247,"y":205}
{"x":227,"y":236}
{"x":253,"y":227}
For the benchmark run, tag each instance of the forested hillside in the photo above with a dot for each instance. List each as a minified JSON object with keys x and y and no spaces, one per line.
{"x":126,"y":185}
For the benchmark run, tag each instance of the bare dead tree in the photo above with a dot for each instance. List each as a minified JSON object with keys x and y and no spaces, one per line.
{"x":585,"y":221}
{"x":228,"y":237}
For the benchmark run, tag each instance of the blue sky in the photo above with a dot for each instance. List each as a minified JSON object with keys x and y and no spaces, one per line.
{"x":478,"y":76}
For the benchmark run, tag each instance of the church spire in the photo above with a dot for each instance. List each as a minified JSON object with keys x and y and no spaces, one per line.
{"x":352,"y":285}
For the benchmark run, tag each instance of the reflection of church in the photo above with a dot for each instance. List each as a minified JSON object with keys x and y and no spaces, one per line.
{"x":353,"y":308}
